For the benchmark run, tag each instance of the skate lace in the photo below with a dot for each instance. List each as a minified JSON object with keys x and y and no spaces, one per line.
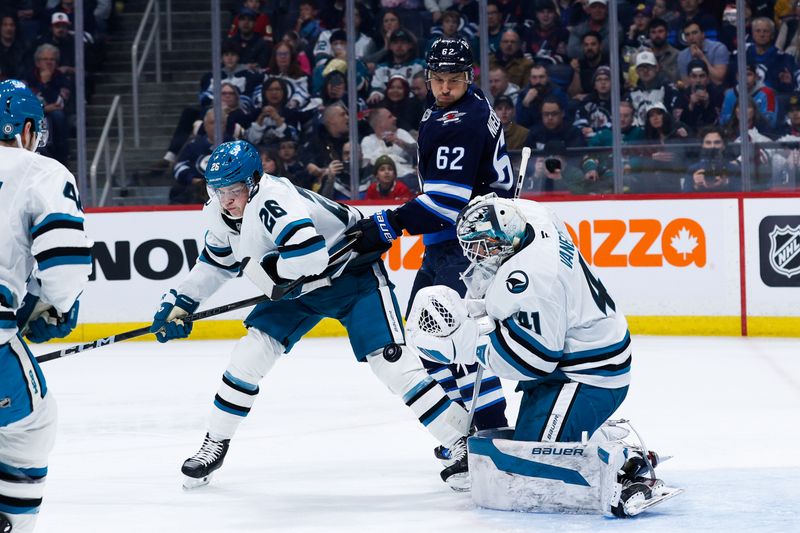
{"x":209,"y":452}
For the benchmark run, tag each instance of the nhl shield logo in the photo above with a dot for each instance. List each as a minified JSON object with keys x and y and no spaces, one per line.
{"x":784,"y":250}
{"x":517,"y":282}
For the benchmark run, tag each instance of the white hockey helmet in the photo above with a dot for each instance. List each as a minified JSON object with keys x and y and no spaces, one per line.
{"x":490,"y":227}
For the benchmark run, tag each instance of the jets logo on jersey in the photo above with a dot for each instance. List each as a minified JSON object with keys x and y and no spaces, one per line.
{"x":517,"y":282}
{"x":451,"y":117}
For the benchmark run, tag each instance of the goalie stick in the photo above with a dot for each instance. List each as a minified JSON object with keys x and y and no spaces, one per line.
{"x":113,"y":339}
{"x":476,"y":389}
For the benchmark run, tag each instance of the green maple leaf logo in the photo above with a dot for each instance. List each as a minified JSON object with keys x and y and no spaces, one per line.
{"x":684,"y":242}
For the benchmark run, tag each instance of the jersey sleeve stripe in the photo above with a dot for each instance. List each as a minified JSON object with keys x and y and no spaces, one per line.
{"x":446,"y":189}
{"x":605,"y":370}
{"x":449,"y":184}
{"x":598,"y":354}
{"x":58,"y":221}
{"x":456,"y":202}
{"x":523,"y":338}
{"x":219,"y":251}
{"x":292,"y":228}
{"x":206,"y":258}
{"x":440,"y":211}
{"x":501,"y":347}
{"x":315,"y":243}
{"x":63,"y":256}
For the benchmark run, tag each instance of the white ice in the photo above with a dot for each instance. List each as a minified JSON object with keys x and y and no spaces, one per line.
{"x":328,"y":448}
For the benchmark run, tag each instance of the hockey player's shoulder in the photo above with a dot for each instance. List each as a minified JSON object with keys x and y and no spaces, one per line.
{"x":43,"y":171}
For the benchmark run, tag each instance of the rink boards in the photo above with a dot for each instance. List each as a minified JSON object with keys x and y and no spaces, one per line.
{"x":679,"y":265}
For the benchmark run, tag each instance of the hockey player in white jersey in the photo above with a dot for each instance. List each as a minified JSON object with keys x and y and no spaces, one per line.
{"x":277,"y":233}
{"x":541,"y":317}
{"x":44,"y":266}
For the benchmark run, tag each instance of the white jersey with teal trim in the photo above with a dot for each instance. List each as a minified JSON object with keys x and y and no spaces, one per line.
{"x":299,"y":224}
{"x":553,"y":316}
{"x":42,"y":237}
{"x":302,"y":226}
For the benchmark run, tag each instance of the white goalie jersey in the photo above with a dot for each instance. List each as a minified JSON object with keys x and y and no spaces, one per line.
{"x":300,"y":225}
{"x":552,"y":315}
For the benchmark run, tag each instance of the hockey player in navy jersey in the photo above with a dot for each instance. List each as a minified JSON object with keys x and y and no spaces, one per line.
{"x":277,"y":233}
{"x":541,"y":317}
{"x":44,"y":266}
{"x":462,"y":154}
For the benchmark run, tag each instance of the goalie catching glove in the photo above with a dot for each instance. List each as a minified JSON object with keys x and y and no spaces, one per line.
{"x":440,"y":329}
{"x":167,"y":323}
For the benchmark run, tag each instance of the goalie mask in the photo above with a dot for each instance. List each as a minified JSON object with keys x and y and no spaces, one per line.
{"x":490,"y":228}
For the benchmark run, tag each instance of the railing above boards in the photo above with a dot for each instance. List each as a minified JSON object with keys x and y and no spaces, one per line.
{"x":110,"y":163}
{"x":150,"y":17}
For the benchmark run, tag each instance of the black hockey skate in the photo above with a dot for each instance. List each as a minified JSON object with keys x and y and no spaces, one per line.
{"x":199,"y":467}
{"x":456,"y":475}
{"x":640,"y":488}
{"x":5,"y":524}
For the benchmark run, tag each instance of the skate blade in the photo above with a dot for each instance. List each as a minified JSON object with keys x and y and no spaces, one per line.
{"x":190,"y":483}
{"x":459,"y":482}
{"x":637,"y":507}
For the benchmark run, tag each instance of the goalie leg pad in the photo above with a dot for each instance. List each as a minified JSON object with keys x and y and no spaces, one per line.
{"x":405,"y":377}
{"x":567,"y":477}
{"x":253,"y":356}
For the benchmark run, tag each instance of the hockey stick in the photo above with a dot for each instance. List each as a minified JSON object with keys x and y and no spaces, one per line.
{"x":523,"y":166}
{"x":113,"y":339}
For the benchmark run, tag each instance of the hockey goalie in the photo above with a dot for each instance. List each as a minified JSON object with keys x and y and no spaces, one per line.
{"x":537,"y":314}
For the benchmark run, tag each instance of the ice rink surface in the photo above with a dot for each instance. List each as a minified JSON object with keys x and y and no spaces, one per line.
{"x":328,"y":448}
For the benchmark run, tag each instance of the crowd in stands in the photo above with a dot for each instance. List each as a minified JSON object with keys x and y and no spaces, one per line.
{"x":284,"y":89}
{"x":37,"y":46}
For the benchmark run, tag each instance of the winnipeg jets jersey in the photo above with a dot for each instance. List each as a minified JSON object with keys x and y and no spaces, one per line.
{"x":300,"y":225}
{"x":462,"y":154}
{"x":42,"y":237}
{"x":553,"y":316}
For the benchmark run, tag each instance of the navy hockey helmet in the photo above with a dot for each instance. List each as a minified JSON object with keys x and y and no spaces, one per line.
{"x":490,"y":227}
{"x":233,"y":162}
{"x":448,"y":54}
{"x":18,"y":105}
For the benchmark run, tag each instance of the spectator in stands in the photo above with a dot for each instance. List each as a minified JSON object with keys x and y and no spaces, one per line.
{"x":713,"y":173}
{"x":762,"y":96}
{"x":598,"y":167}
{"x":291,"y":38}
{"x":494,"y":21}
{"x":68,"y":8}
{"x":767,"y":164}
{"x":276,"y":120}
{"x":510,"y":57}
{"x":449,"y":28}
{"x":308,"y":26}
{"x":291,"y":166}
{"x":53,"y":89}
{"x":331,"y":13}
{"x":339,"y":62}
{"x":386,"y":186}
{"x":323,"y":153}
{"x":775,"y":68}
{"x":690,"y":11}
{"x":398,"y":100}
{"x":553,"y":170}
{"x":553,"y":127}
{"x":712,"y":53}
{"x":788,"y":28}
{"x":253,"y":50}
{"x":514,"y":134}
{"x":598,"y":22}
{"x":546,"y":38}
{"x":58,"y":35}
{"x":388,"y":139}
{"x":583,"y":70}
{"x":189,"y":186}
{"x":469,"y":11}
{"x":499,"y":84}
{"x":789,"y":134}
{"x":728,"y":32}
{"x":638,"y":33}
{"x":666,"y":54}
{"x":419,"y":87}
{"x":342,"y":185}
{"x":102,"y":14}
{"x":269,"y":161}
{"x":703,"y":99}
{"x":651,"y":87}
{"x":27,"y":15}
{"x":245,"y":80}
{"x":284,"y":65}
{"x":529,"y":101}
{"x":262,"y":25}
{"x":437,"y":8}
{"x":365,"y":46}
{"x":390,"y":23}
{"x":594,"y":112}
{"x":663,"y":11}
{"x":403,"y":61}
{"x":14,"y":62}
{"x":661,"y":165}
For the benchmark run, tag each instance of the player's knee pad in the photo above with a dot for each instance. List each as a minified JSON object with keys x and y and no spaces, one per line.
{"x":561,"y":477}
{"x":403,"y":374}
{"x":253,"y":356}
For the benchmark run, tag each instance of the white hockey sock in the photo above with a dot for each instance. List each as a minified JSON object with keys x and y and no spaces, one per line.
{"x":232,"y":403}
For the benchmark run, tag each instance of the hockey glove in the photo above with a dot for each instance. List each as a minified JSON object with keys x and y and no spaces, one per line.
{"x":377,"y":232}
{"x":167,"y":323}
{"x":51,"y":324}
